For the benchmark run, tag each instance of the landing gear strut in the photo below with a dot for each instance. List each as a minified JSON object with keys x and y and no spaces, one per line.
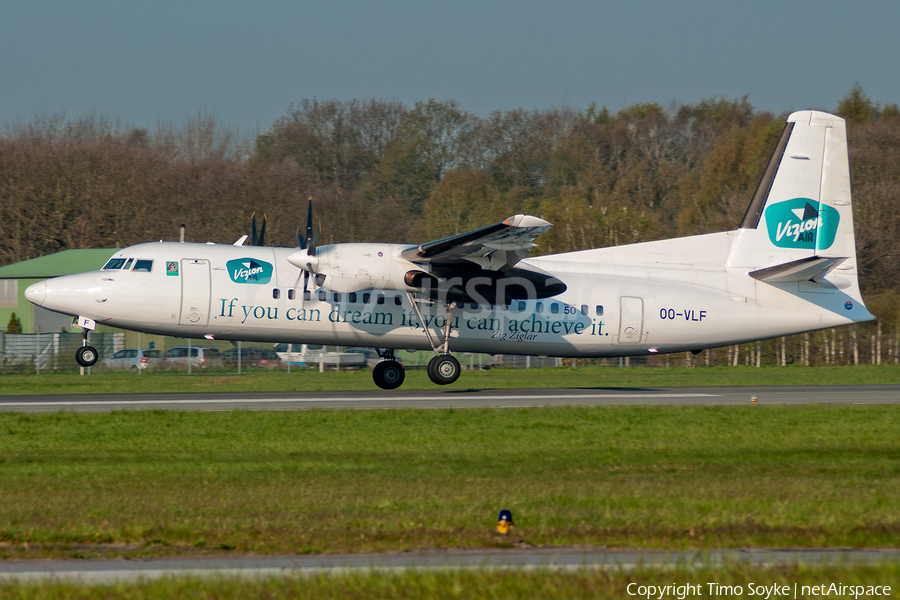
{"x":388,"y":374}
{"x":443,"y":369}
{"x":86,"y":356}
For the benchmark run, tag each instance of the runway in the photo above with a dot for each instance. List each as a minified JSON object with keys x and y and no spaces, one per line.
{"x":459,"y":398}
{"x":560,"y":559}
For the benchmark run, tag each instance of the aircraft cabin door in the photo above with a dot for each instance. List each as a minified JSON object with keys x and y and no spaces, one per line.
{"x":195,"y":290}
{"x":631,"y":320}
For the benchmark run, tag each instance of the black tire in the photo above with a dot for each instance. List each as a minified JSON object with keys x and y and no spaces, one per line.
{"x":443,"y":369}
{"x":388,"y":375}
{"x":86,"y":356}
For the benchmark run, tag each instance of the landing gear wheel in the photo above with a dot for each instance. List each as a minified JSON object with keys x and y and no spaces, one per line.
{"x":388,"y":374}
{"x":443,"y":369}
{"x":86,"y":356}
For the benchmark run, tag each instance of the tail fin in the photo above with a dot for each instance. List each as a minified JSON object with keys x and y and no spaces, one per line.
{"x":798,"y":229}
{"x":801,"y":209}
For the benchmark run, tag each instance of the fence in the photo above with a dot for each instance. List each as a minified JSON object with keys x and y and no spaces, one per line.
{"x":36,"y":352}
{"x":853,"y":345}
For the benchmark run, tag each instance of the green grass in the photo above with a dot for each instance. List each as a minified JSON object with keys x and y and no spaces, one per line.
{"x":480,"y":584}
{"x":123,"y":383}
{"x":183,"y":483}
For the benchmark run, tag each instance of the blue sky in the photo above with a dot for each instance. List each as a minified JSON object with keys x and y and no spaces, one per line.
{"x":246,"y":62}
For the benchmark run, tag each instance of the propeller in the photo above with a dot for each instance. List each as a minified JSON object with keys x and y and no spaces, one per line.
{"x":310,"y":262}
{"x":254,"y":239}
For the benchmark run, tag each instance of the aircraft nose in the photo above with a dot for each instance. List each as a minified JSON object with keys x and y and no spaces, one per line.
{"x":37,"y":293}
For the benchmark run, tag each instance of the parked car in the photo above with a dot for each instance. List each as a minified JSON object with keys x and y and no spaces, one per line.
{"x":250,"y":358}
{"x":311,"y":355}
{"x":371,"y":355}
{"x":132,"y":359}
{"x":202,"y":357}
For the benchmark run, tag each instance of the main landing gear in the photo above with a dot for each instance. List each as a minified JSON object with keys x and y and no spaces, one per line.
{"x":388,"y":374}
{"x":443,"y":369}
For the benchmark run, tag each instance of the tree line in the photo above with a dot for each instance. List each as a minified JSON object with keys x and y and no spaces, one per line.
{"x":379,"y":170}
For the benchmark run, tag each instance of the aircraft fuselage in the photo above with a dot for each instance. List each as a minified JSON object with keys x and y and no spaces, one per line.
{"x":613,"y":305}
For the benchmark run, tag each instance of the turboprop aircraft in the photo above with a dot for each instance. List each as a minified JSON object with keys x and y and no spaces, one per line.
{"x":790,"y":267}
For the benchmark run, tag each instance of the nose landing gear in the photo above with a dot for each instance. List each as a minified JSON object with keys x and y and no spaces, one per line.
{"x":86,"y":356}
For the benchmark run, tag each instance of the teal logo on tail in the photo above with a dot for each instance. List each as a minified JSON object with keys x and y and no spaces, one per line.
{"x":249,"y":270}
{"x":802,"y":223}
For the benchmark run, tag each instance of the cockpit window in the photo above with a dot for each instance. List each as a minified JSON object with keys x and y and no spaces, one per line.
{"x":128,"y":264}
{"x":143,"y":265}
{"x":114,"y":263}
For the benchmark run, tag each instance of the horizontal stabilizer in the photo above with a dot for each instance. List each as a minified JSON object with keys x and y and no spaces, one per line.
{"x":805,"y":269}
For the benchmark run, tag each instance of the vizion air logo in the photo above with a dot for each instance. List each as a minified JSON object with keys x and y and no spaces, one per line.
{"x":249,"y":270}
{"x":802,"y":223}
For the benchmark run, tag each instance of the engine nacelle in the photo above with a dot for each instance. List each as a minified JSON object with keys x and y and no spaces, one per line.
{"x":359,"y":267}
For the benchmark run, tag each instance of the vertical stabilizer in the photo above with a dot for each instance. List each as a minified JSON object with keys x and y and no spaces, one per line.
{"x":802,"y":207}
{"x":799,"y":225}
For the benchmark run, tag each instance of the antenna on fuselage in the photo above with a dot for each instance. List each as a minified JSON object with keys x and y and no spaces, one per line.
{"x":181,"y":237}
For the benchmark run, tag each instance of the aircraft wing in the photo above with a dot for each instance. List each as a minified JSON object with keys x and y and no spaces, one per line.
{"x":496,"y":247}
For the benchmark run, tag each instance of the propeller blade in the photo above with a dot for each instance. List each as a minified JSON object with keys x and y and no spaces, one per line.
{"x":305,"y":282}
{"x":310,"y":244}
{"x":262,"y":232}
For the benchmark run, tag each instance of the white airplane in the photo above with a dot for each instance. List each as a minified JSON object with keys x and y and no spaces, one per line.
{"x":789,"y":268}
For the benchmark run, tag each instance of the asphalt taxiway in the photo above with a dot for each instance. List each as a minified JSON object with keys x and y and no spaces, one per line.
{"x":458,"y":398}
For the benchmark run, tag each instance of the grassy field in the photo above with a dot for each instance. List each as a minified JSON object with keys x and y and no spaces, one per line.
{"x":103,"y":383}
{"x":475,"y":585}
{"x":186,"y":483}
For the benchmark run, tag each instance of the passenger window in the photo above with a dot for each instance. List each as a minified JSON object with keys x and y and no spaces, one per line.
{"x":351,"y":298}
{"x":143,"y":265}
{"x":367,"y":297}
{"x":584,"y":309}
{"x":115,"y":263}
{"x":398,"y":301}
{"x":554,"y":308}
{"x":538,"y":307}
{"x":290,"y":294}
{"x":337,"y":296}
{"x":599,"y":311}
{"x":473,"y":306}
{"x":521,"y":307}
{"x":307,"y":295}
{"x":380,"y":299}
{"x":320,"y":295}
{"x":276,"y":293}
